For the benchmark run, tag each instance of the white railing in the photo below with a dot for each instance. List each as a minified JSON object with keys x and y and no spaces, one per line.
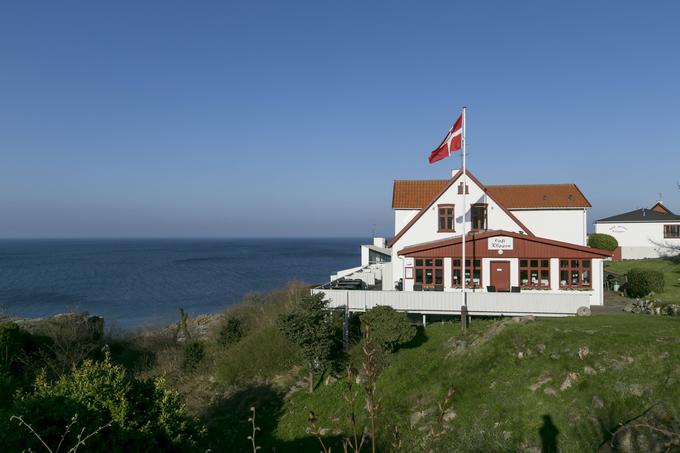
{"x":449,"y":303}
{"x":369,"y":274}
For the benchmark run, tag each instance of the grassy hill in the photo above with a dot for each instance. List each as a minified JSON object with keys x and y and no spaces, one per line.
{"x":517,"y":385}
{"x":669,"y":266}
{"x":583,"y":376}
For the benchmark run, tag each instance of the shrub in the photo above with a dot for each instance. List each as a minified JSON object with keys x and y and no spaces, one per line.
{"x":258,"y":357}
{"x":192,"y":355}
{"x":144,"y":415}
{"x":21,"y":354}
{"x":641,"y":282}
{"x":602,"y":241}
{"x":388,"y":327}
{"x":230,"y":332}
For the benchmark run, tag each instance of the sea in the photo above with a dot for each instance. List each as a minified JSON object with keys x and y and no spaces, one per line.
{"x":137,"y":283}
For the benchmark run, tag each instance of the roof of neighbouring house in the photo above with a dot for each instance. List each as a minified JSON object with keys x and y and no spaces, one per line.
{"x":415,"y":194}
{"x":641,"y":215}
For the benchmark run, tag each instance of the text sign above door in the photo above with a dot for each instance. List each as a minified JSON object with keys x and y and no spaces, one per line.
{"x":500,"y":243}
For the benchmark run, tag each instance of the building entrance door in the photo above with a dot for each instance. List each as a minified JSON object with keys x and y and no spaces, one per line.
{"x":500,"y":275}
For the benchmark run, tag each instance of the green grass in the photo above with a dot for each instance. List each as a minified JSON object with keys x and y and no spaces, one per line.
{"x":670,"y":268}
{"x":636,"y":362}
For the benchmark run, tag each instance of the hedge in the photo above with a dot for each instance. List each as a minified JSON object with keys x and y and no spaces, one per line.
{"x":602,"y":241}
{"x":641,"y":282}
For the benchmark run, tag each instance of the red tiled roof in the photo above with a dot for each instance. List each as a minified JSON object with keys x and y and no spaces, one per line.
{"x":415,"y":194}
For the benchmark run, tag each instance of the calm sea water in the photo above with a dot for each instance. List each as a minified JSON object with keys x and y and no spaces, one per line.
{"x":143,"y":282}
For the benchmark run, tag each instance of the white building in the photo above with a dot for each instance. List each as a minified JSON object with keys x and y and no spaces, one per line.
{"x":644,"y":233}
{"x":527,"y":241}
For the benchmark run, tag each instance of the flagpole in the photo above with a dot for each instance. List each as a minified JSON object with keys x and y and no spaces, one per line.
{"x":462,"y":261}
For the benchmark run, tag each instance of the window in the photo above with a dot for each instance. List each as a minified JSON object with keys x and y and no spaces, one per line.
{"x":478,"y":214}
{"x":429,"y":271}
{"x":575,"y":274}
{"x":460,"y":189}
{"x":671,"y":231}
{"x":475,"y":271}
{"x":534,"y":273}
{"x":446,"y":222}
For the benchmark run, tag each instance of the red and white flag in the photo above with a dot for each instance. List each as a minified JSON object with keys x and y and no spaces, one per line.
{"x":452,"y":142}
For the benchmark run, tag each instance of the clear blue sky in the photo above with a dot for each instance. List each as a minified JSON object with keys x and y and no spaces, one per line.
{"x":191,"y":119}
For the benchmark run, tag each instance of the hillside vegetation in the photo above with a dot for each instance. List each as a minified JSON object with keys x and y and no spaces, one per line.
{"x":576,"y":378}
{"x":579,"y":384}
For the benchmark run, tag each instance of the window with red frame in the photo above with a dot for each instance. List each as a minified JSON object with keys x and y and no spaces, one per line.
{"x":534,"y":273}
{"x":478,"y":216}
{"x":475,"y":271}
{"x":429,"y":271}
{"x":446,"y":218}
{"x":575,"y":274}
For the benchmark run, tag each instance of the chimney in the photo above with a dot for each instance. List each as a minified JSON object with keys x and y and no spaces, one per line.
{"x":379,"y":242}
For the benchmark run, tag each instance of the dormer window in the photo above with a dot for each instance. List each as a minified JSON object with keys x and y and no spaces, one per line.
{"x":446,"y":218}
{"x":478,"y":215}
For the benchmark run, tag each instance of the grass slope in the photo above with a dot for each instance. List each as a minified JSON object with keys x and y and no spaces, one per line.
{"x":670,"y":268}
{"x":499,"y":402}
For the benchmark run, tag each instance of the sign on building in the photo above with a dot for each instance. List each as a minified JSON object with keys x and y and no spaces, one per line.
{"x":500,"y":243}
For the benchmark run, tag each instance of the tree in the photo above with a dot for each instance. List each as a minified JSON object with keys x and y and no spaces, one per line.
{"x":602,"y":241}
{"x":389,"y":328}
{"x":309,"y":326}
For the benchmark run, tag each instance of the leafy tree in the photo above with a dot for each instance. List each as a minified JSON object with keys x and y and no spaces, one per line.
{"x":309,"y":325}
{"x":602,"y":241}
{"x":389,"y":328}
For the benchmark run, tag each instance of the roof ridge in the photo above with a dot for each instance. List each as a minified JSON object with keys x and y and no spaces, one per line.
{"x":421,"y":180}
{"x":535,"y":184}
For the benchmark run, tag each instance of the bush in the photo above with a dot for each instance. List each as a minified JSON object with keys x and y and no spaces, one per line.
{"x":641,"y":282}
{"x":602,"y":241}
{"x":144,"y":415}
{"x":258,"y":357}
{"x":192,"y":355}
{"x":21,"y":354}
{"x":231,"y":332}
{"x":388,"y":327}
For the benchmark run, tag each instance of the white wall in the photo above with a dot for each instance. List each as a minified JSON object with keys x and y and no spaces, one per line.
{"x":402,"y":217}
{"x":567,"y":225}
{"x":641,"y":239}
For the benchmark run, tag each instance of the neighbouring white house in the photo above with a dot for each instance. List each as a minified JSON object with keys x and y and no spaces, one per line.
{"x":525,"y":252}
{"x":644,"y":233}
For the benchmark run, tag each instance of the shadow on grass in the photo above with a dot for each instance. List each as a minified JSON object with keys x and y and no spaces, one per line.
{"x":420,"y":339}
{"x":548,"y":432}
{"x":229,"y":428}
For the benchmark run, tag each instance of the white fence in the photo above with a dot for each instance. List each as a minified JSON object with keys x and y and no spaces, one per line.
{"x":449,"y":303}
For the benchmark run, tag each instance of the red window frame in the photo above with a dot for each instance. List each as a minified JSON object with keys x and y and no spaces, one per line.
{"x":576,"y":273}
{"x":473,"y":220}
{"x":473,"y":268}
{"x":534,"y":273}
{"x":446,"y":216}
{"x":428,"y":267}
{"x":671,"y":231}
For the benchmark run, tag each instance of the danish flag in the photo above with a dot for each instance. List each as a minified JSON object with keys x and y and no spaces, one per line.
{"x":452,"y":142}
